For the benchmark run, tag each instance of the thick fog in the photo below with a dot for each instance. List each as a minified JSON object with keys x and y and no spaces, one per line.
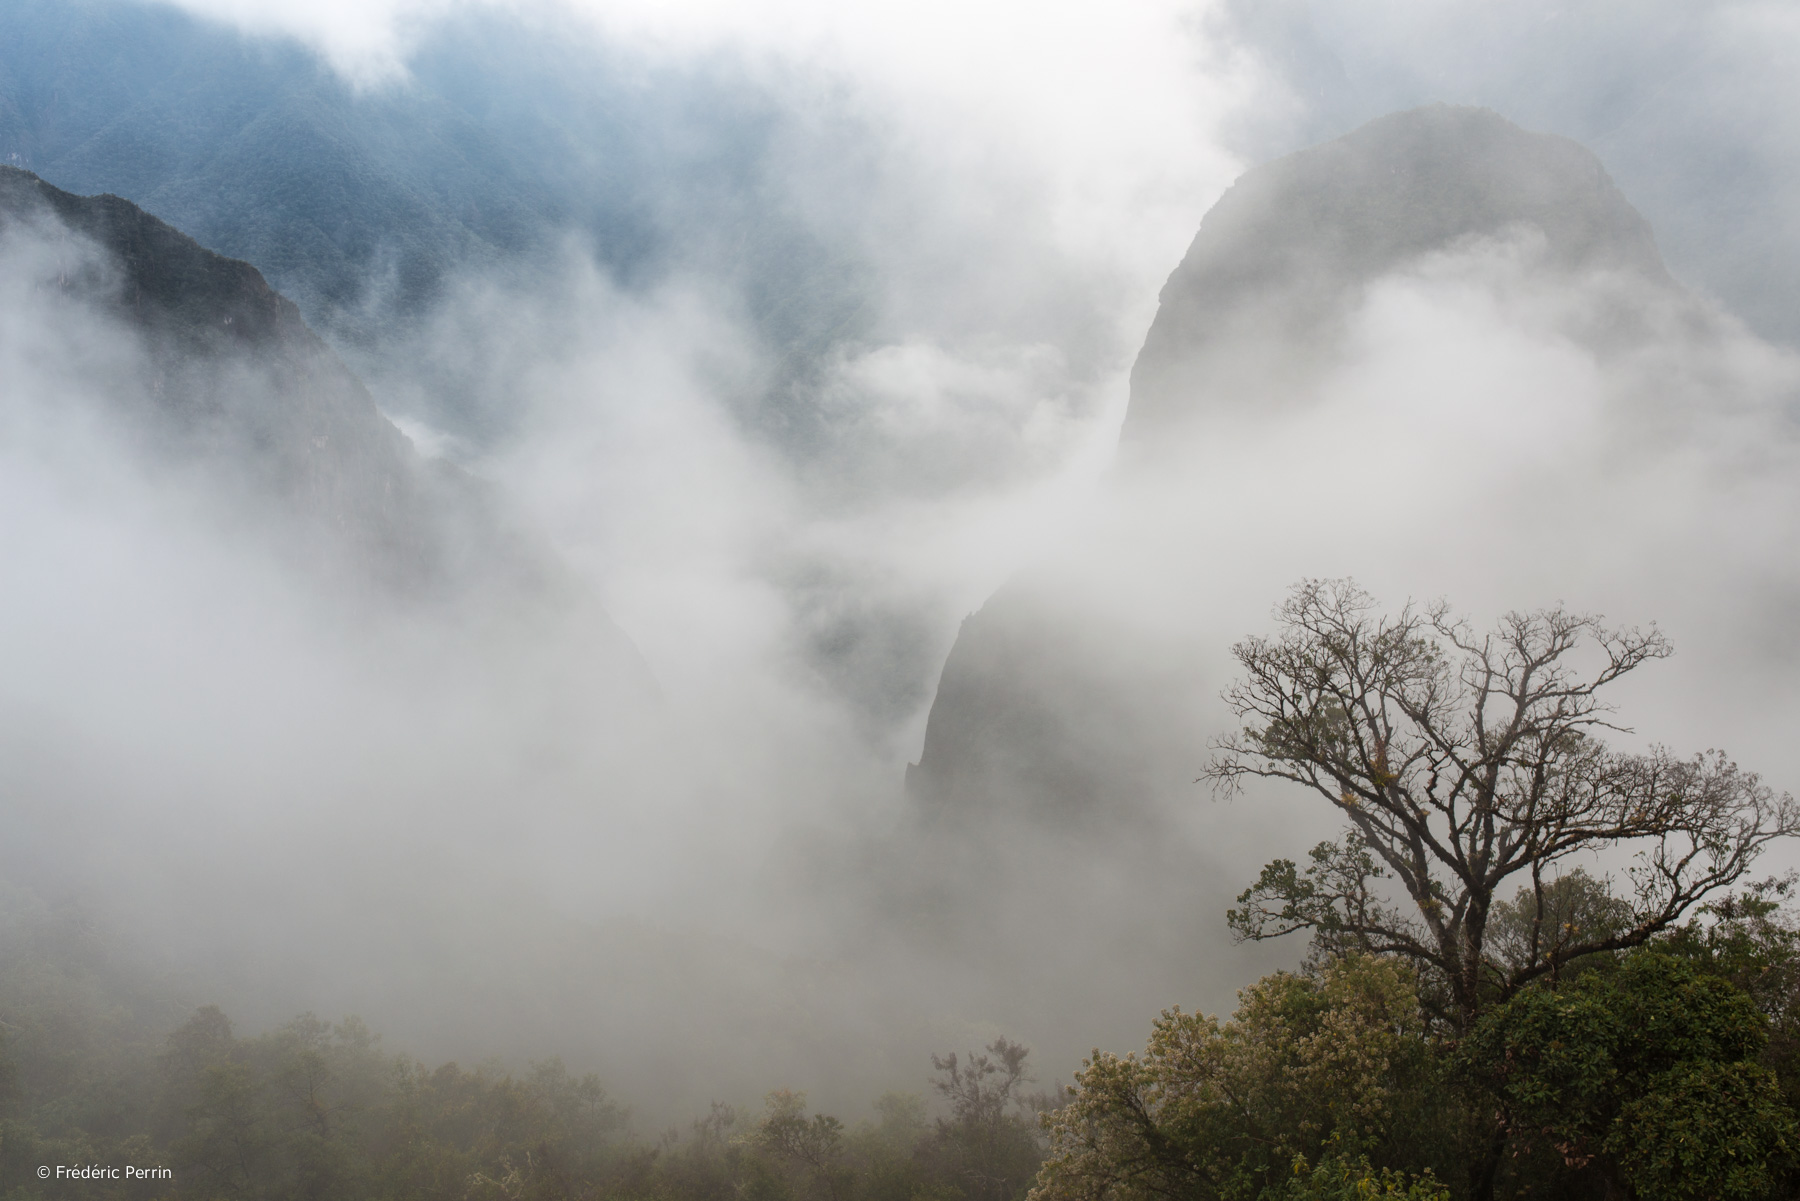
{"x":693,"y":865}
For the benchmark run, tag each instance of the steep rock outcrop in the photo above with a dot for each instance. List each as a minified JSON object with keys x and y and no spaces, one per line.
{"x":1051,"y":705}
{"x":1031,"y":711}
{"x":1288,"y":249}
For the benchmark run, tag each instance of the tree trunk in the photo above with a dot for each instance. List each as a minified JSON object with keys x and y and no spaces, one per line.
{"x":1484,"y":1170}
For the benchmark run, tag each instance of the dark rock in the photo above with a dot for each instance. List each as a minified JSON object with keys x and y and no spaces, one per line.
{"x":241,"y":389}
{"x":1022,"y":718}
{"x":1286,"y":252}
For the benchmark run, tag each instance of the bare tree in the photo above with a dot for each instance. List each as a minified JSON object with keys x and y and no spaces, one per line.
{"x":1469,"y":763}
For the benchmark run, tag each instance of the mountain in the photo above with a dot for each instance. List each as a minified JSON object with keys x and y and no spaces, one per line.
{"x":232,"y":383}
{"x":354,"y":204}
{"x":1286,"y":253}
{"x":505,"y":148}
{"x":1054,"y":703}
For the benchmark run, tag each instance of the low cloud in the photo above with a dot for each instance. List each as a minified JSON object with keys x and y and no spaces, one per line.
{"x":455,"y":822}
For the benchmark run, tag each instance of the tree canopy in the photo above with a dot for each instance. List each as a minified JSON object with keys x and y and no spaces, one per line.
{"x":1471,"y":764}
{"x":1314,"y":1074}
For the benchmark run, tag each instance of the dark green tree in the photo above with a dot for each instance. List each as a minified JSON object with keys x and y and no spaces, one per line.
{"x":1748,"y":939}
{"x":1641,"y":1081}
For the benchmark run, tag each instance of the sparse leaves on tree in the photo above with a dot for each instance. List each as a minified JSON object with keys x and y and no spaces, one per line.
{"x":1471,"y":770}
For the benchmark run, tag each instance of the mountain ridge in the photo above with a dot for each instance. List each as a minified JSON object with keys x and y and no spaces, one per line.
{"x":243,"y":388}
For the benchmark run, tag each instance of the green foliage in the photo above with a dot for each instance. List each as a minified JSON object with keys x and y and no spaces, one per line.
{"x":1340,"y":1176}
{"x":1705,"y":1130}
{"x":1337,"y":897}
{"x":1643,"y":1076}
{"x":312,"y":1110}
{"x":1309,"y":1065}
{"x":1651,"y":1075}
{"x":814,"y":1146}
{"x":1752,"y":943}
{"x":1571,"y":907}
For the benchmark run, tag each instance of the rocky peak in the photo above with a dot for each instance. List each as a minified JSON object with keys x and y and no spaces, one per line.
{"x":1289,"y":247}
{"x":231,"y":382}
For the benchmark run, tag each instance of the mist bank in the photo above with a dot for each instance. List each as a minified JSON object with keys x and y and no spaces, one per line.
{"x":288,"y":771}
{"x":448,"y":819}
{"x":298,"y":766}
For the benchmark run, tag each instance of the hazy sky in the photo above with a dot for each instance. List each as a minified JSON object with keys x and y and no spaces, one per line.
{"x":1130,"y":117}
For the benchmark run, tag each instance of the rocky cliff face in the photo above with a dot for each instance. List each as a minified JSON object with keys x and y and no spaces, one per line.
{"x":232,"y":381}
{"x":1054,"y":704}
{"x":1252,"y":311}
{"x":1034,"y":705}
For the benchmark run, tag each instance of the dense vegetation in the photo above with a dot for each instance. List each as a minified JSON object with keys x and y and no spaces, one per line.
{"x":1670,"y":1071}
{"x":100,"y":1064}
{"x":1664,"y":1072}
